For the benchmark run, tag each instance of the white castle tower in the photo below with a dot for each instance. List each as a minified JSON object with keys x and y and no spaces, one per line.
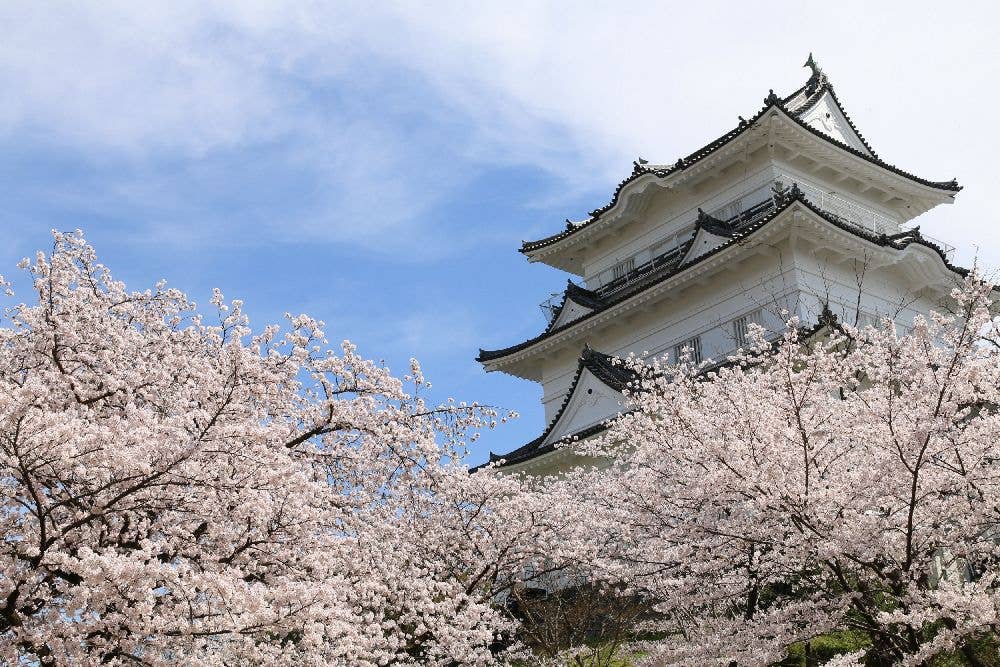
{"x":791,"y":212}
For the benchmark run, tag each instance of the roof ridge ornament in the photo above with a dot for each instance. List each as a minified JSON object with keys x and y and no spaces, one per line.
{"x":818,"y":78}
{"x":772,"y":99}
{"x":793,"y":106}
{"x":714,"y":225}
{"x":783,"y":194}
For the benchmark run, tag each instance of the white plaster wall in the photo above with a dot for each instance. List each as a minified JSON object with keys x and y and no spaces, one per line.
{"x":765,"y":283}
{"x":673,"y":213}
{"x":884,"y":292}
{"x":790,"y":280}
{"x":826,"y":117}
{"x":791,"y":173}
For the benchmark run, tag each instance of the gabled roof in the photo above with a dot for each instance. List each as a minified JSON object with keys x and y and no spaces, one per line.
{"x":780,"y":204}
{"x":793,"y":107}
{"x":715,"y":226}
{"x":613,"y":372}
{"x":709,"y":232}
{"x":583,"y":297}
{"x":805,"y":98}
{"x":826,"y":321}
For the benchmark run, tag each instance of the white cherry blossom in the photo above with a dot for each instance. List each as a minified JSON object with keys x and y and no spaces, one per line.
{"x":847,"y":480}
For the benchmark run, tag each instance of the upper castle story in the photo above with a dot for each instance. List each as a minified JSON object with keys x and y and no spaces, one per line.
{"x":806,"y":138}
{"x":798,"y":170}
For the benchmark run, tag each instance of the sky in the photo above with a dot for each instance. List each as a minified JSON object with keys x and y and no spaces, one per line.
{"x":377,"y":165}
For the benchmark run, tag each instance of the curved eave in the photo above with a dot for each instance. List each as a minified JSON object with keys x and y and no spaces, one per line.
{"x":581,"y":296}
{"x":538,"y":453}
{"x":949,"y":188}
{"x":535,"y":454}
{"x":498,"y":359}
{"x":609,"y":371}
{"x":573,"y":231}
{"x":704,"y":224}
{"x":640,"y":173}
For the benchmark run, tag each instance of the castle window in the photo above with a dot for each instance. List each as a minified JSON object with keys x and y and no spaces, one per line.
{"x":623,"y":268}
{"x":741,"y":327}
{"x":693,"y":347}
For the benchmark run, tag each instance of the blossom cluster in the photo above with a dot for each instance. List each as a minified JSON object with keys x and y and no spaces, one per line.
{"x":178,"y":488}
{"x":843,"y":480}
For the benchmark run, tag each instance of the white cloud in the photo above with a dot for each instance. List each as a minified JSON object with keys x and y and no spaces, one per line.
{"x":385,"y":108}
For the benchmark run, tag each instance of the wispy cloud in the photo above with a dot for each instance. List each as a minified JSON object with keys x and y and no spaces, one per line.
{"x":377,"y":112}
{"x":202,"y":122}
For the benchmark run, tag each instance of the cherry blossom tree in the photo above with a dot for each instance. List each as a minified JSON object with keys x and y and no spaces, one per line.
{"x":848,"y":481}
{"x":175,"y":491}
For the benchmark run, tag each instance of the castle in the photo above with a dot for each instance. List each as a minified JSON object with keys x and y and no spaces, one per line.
{"x":791,"y":212}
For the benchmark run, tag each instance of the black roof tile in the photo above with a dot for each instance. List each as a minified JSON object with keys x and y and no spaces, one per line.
{"x":771,"y":101}
{"x":577,"y":294}
{"x":612,"y":371}
{"x":792,"y":195}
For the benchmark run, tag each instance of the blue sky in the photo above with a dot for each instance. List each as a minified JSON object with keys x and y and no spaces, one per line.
{"x":377,"y":166}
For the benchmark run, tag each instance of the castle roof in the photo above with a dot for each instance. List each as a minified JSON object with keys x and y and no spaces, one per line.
{"x":793,"y":107}
{"x":806,"y":132}
{"x":613,"y":372}
{"x":743,"y":227}
{"x":585,"y":298}
{"x":622,"y":376}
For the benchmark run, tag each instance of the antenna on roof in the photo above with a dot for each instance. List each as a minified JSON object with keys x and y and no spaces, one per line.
{"x":551,"y":306}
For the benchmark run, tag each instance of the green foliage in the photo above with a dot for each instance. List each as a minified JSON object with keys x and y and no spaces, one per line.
{"x":820,"y":649}
{"x":605,"y":656}
{"x":979,"y":652}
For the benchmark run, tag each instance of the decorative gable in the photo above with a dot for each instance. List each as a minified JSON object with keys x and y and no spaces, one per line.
{"x":841,"y":197}
{"x":577,"y":302}
{"x":704,"y":241}
{"x":591,"y":403}
{"x":570,"y":310}
{"x":826,"y":116}
{"x":709,"y":234}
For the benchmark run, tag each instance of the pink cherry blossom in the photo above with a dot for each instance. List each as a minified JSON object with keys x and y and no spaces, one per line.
{"x":845,"y":480}
{"x":183,"y":489}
